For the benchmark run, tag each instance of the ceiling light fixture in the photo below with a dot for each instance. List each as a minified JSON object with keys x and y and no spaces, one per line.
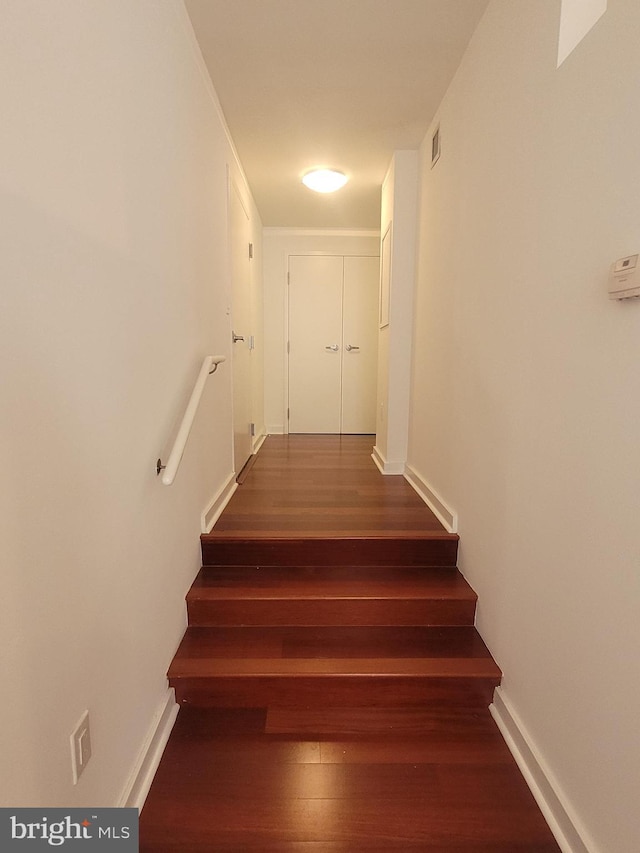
{"x":324,"y":180}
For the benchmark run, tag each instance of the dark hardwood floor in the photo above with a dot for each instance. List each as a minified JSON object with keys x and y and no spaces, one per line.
{"x":333,"y":687}
{"x":323,"y":486}
{"x":289,"y":780}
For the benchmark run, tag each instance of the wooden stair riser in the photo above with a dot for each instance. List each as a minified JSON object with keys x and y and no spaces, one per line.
{"x":439,"y":550}
{"x":361,"y":612}
{"x":332,"y":691}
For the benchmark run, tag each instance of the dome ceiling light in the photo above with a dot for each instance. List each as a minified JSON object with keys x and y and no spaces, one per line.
{"x":324,"y":180}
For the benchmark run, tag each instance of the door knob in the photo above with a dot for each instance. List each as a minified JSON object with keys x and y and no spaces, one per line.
{"x":333,"y":348}
{"x":349,"y":348}
{"x":236,"y":338}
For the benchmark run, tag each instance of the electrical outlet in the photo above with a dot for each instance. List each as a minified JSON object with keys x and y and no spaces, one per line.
{"x":80,"y":747}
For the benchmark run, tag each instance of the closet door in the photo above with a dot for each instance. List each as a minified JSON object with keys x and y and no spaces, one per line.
{"x":360,"y":344}
{"x":241,"y":317}
{"x":315,"y":343}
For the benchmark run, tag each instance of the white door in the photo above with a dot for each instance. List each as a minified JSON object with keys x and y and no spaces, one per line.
{"x":315,"y":343}
{"x":241,"y":326}
{"x":360,"y":344}
{"x":333,"y":335}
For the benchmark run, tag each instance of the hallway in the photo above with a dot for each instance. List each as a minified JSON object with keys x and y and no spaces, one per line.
{"x":339,"y":715}
{"x":494,"y":180}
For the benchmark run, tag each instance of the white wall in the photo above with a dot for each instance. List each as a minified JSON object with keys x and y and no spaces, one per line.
{"x":398,"y":219}
{"x":114,"y":286}
{"x":526,"y":384}
{"x":278,"y":244}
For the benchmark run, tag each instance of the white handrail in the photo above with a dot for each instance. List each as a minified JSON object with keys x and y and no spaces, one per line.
{"x":209,"y":365}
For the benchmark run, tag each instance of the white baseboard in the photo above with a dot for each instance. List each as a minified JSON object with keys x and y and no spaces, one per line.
{"x":563,"y":822}
{"x":275,"y":429}
{"x":378,"y":459}
{"x":139,"y":782}
{"x":217,"y":503}
{"x":258,"y":441}
{"x":384,"y":466}
{"x":447,"y":516}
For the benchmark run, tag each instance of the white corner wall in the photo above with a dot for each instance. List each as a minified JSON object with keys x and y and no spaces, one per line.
{"x":526,"y":385}
{"x":398,"y":221}
{"x":114,"y":286}
{"x":278,"y":244}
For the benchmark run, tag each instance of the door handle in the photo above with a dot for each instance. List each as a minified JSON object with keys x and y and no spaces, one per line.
{"x":349,"y":348}
{"x":236,"y":338}
{"x":333,"y":348}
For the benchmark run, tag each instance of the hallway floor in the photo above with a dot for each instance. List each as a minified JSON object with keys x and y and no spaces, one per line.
{"x":287,"y":780}
{"x":296,"y":772}
{"x":323,"y":485}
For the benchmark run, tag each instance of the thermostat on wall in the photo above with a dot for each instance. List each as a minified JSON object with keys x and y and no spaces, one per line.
{"x":624,"y":278}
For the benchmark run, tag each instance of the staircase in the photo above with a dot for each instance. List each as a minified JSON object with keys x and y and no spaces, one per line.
{"x":369,"y":622}
{"x":335,"y":690}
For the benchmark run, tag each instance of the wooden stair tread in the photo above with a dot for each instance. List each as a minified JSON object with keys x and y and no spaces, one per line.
{"x":332,"y":642}
{"x":258,"y":582}
{"x":334,"y":667}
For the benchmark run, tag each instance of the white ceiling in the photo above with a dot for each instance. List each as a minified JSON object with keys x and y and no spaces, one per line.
{"x":336,"y":83}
